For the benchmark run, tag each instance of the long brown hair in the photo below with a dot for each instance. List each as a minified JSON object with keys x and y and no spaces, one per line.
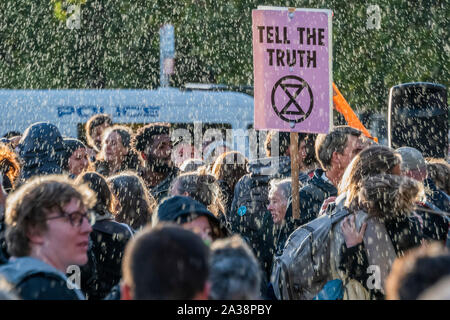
{"x":230,"y":167}
{"x":132,"y":160}
{"x":369,"y":162}
{"x":137,"y":204}
{"x":202,"y":187}
{"x":9,"y":163}
{"x":387,"y":195}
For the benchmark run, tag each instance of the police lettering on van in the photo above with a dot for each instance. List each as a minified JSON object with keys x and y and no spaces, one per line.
{"x":226,"y":115}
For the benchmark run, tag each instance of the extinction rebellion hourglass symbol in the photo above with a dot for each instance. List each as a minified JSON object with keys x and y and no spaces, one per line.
{"x":299,"y":96}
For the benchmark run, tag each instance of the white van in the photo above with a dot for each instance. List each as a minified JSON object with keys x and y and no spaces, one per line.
{"x":70,"y":109}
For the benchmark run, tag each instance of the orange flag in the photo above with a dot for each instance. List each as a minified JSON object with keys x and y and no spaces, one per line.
{"x":342,"y":106}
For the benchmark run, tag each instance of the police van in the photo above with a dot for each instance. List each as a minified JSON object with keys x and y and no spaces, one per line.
{"x":194,"y":106}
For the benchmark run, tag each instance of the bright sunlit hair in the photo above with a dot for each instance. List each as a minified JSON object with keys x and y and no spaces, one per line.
{"x":369,"y":162}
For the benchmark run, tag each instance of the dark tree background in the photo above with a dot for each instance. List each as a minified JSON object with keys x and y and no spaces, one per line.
{"x":117,"y":44}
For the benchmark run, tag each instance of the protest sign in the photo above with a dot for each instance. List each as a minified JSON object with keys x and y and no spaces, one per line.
{"x":293,"y":69}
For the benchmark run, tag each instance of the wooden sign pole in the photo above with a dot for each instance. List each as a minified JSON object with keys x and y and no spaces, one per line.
{"x":295,"y":171}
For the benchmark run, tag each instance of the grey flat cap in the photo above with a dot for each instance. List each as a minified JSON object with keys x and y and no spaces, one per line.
{"x":412,"y":159}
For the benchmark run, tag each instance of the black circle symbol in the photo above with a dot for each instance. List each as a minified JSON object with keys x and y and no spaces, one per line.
{"x":299,"y":84}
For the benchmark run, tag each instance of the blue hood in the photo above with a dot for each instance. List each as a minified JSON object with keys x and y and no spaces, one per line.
{"x":41,"y":150}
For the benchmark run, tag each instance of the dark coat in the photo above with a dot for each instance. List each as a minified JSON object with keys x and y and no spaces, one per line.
{"x":45,"y":287}
{"x":161,"y":190}
{"x":249,"y":216}
{"x":41,"y":150}
{"x":108,"y":240}
{"x":311,"y":196}
{"x":435,"y":227}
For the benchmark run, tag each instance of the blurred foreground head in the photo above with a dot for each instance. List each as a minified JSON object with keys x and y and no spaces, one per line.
{"x":235,"y":272}
{"x":165,"y":263}
{"x":417,"y":271}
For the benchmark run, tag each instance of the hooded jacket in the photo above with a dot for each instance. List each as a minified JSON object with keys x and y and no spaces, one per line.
{"x":41,"y":150}
{"x":35,"y":280}
{"x":435,"y":227}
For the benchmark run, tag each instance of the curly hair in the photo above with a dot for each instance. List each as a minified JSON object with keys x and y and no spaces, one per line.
{"x":29,"y":205}
{"x":202,"y":187}
{"x":144,"y":136}
{"x":385,"y":195}
{"x":369,"y":162}
{"x":9,"y":163}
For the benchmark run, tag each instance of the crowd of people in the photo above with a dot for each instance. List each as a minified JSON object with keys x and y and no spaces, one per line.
{"x":136,"y":224}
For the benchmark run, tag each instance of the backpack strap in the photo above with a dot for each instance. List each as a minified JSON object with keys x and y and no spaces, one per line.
{"x":339,"y":214}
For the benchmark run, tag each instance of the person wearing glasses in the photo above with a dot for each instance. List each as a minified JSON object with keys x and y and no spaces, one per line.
{"x":47,"y":235}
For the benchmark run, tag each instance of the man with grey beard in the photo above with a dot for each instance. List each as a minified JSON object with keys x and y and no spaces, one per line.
{"x":153,"y":143}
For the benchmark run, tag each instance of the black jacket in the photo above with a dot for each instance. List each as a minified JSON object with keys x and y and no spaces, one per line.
{"x":311,"y":196}
{"x":45,"y":287}
{"x":108,"y":240}
{"x":435,"y":227}
{"x":249,"y":216}
{"x":161,"y":190}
